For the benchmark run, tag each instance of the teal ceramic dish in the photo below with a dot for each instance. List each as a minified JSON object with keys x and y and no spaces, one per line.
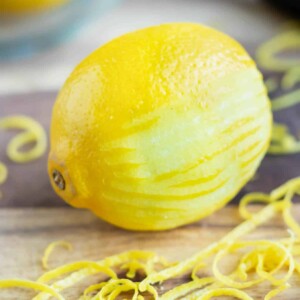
{"x":28,"y":33}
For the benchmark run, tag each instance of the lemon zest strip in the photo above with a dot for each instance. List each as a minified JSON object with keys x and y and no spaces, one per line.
{"x":186,"y":288}
{"x":3,"y":173}
{"x":50,"y":249}
{"x":276,"y":291}
{"x":34,"y":133}
{"x":267,"y":52}
{"x":286,"y":101}
{"x":290,"y":78}
{"x":53,"y":274}
{"x":225,"y":292}
{"x":247,"y":226}
{"x":20,"y":283}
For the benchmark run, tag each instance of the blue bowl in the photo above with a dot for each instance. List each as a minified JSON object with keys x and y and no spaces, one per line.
{"x":26,"y":34}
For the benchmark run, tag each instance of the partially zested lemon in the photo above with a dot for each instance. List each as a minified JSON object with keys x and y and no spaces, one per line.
{"x":159,"y":127}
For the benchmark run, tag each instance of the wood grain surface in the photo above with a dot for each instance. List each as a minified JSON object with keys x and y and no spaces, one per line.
{"x":24,"y":233}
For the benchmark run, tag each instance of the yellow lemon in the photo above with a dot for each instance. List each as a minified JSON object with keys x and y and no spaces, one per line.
{"x":28,"y":5}
{"x":159,"y":127}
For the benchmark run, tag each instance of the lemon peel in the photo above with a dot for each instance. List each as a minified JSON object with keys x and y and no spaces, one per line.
{"x":287,"y":215}
{"x":267,"y":53}
{"x":282,"y":141}
{"x":261,"y":255}
{"x":226,"y":292}
{"x":55,"y":273}
{"x":113,"y":288}
{"x":290,"y":78}
{"x":111,"y":262}
{"x":91,"y":289}
{"x":3,"y":173}
{"x":247,"y":226}
{"x":276,"y":291}
{"x":286,"y":101}
{"x":271,"y":84}
{"x":21,"y":283}
{"x":252,"y":198}
{"x":186,"y":288}
{"x":34,"y":132}
{"x":50,"y":249}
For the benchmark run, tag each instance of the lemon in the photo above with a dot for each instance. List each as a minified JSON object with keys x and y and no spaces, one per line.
{"x":159,"y":127}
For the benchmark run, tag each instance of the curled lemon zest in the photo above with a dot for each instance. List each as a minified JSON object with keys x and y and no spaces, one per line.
{"x":271,"y":84}
{"x":276,"y":291}
{"x":152,"y":291}
{"x":247,"y":226}
{"x":267,"y":258}
{"x":293,"y":185}
{"x":125,"y":288}
{"x":34,"y":132}
{"x":113,"y":288}
{"x":27,"y":284}
{"x":288,"y":100}
{"x":186,"y":288}
{"x":226,"y":292}
{"x":287,"y":216}
{"x":290,"y":78}
{"x":147,"y":266}
{"x":267,"y":53}
{"x":111,"y":261}
{"x":55,"y":273}
{"x":133,"y":266}
{"x":282,"y":141}
{"x":196,"y":269}
{"x":252,"y":198}
{"x":93,"y":288}
{"x":50,"y":249}
{"x":3,"y":173}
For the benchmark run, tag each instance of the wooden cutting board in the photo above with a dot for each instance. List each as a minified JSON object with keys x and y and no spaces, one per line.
{"x":24,"y":233}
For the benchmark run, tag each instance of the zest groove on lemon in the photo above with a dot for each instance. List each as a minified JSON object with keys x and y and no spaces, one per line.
{"x":142,"y":123}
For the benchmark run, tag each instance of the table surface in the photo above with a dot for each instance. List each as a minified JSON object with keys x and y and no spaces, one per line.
{"x":30,"y":86}
{"x":26,"y":233}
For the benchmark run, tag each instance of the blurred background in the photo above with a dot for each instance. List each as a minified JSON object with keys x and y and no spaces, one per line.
{"x":39,"y":46}
{"x":41,"y":41}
